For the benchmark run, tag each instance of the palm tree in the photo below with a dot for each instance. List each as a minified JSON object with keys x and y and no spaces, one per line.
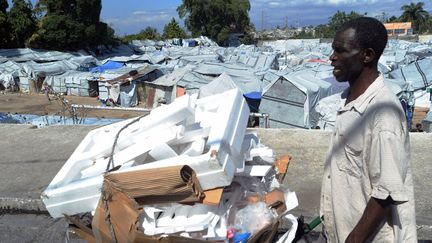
{"x":414,"y":13}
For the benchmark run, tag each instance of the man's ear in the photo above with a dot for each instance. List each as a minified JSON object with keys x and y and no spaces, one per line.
{"x":368,"y":55}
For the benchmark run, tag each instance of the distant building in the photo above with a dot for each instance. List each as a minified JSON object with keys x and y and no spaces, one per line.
{"x":399,"y":29}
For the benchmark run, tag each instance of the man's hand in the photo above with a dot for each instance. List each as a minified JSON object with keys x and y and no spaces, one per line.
{"x":376,"y":211}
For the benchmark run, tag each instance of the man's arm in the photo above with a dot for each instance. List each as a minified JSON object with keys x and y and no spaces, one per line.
{"x":376,"y":211}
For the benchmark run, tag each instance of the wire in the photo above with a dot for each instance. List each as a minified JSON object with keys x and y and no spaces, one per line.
{"x":111,"y":160}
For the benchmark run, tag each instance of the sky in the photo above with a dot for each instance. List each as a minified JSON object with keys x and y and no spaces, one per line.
{"x":131,"y":16}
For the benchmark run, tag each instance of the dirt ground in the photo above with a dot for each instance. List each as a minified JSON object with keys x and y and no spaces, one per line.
{"x":38,"y":104}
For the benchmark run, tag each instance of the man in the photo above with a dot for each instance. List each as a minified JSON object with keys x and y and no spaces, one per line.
{"x":367,"y":191}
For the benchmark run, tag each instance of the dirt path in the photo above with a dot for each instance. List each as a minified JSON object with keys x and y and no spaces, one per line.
{"x":38,"y":104}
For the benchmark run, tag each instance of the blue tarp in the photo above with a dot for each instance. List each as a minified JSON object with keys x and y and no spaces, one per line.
{"x":44,"y":121}
{"x":109,"y":65}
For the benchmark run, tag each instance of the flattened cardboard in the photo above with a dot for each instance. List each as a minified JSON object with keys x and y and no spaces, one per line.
{"x":281,"y":166}
{"x":160,"y":185}
{"x":124,"y":216}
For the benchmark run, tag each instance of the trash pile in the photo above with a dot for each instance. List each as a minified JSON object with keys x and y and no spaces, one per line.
{"x":187,"y":172}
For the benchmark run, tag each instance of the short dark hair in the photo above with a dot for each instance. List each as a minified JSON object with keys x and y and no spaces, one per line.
{"x":369,"y":33}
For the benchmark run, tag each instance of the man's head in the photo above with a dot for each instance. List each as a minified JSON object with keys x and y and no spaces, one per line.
{"x":358,"y":43}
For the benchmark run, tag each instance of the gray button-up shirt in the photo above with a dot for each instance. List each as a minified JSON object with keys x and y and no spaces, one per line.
{"x":369,"y":157}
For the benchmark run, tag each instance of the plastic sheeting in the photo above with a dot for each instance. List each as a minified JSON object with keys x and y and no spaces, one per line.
{"x":71,"y":82}
{"x":417,"y":73}
{"x":32,"y":69}
{"x":109,"y":65}
{"x":26,"y":54}
{"x":128,"y":95}
{"x":291,"y":101}
{"x":9,"y":70}
{"x":44,"y":121}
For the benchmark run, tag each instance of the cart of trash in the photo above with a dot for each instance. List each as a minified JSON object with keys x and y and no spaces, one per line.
{"x":189,"y":171}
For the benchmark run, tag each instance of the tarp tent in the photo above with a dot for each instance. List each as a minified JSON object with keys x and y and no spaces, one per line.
{"x":9,"y":72}
{"x":291,"y":99}
{"x":37,"y":55}
{"x":219,"y":85}
{"x":243,"y":77}
{"x":417,"y":74}
{"x":71,"y":82}
{"x":427,"y":122}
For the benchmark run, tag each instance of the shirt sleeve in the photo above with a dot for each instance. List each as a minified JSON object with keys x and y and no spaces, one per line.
{"x":388,"y":165}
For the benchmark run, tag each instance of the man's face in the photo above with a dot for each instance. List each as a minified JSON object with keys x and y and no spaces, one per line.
{"x":347,"y":57}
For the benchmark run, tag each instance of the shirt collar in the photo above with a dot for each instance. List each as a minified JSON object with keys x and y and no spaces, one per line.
{"x":360,"y":104}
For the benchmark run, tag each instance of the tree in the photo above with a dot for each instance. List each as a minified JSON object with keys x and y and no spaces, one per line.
{"x":339,"y":18}
{"x":5,"y":37}
{"x":216,"y":18}
{"x":335,"y":22}
{"x":393,"y":19}
{"x":173,"y":30}
{"x":22,"y":22}
{"x":302,"y":35}
{"x":415,"y":13}
{"x":71,"y":25}
{"x":149,"y":33}
{"x":323,"y":31}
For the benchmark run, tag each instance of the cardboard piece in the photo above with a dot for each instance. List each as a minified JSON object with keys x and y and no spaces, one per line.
{"x":155,"y":186}
{"x":123,"y":213}
{"x":213,"y":197}
{"x":276,"y":200}
{"x":281,"y":166}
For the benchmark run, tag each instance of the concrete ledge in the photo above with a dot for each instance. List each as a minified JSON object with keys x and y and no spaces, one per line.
{"x":30,"y":158}
{"x":21,"y":205}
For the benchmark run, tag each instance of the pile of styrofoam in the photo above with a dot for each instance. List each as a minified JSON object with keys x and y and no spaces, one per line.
{"x":208,"y":134}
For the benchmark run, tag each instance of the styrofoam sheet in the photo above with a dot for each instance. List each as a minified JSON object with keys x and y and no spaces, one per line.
{"x":221,"y":118}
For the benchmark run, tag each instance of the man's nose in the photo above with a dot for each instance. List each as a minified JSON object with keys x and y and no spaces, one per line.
{"x":332,"y":56}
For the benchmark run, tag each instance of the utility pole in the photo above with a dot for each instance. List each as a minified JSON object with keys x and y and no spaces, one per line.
{"x":286,"y":22}
{"x":262,"y":20}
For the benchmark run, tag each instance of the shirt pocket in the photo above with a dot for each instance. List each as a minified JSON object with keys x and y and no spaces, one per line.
{"x":351,"y":161}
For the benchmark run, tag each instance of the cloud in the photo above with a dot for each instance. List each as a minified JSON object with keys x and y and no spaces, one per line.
{"x":139,"y":20}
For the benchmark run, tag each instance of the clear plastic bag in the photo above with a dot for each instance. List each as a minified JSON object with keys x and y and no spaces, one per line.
{"x":254,"y":217}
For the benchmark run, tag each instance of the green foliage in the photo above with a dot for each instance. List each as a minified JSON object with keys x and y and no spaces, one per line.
{"x":148,"y":33}
{"x":339,"y":18}
{"x":22,"y":22}
{"x":216,"y":18}
{"x":71,"y":25}
{"x":3,"y":6}
{"x":335,"y":22}
{"x":5,"y":37}
{"x":173,"y":30}
{"x":415,"y":13}
{"x":323,"y":31}
{"x":427,"y":27}
{"x":303,"y":35}
{"x":393,"y":19}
